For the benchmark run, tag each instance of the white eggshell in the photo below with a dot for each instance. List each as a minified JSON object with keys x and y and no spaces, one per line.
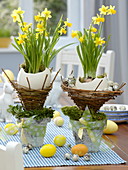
{"x":36,"y":80}
{"x":92,"y":84}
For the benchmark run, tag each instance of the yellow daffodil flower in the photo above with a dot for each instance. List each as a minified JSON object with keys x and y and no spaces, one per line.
{"x":39,"y":17}
{"x":15,"y":14}
{"x":103,"y":42}
{"x":111,"y":10}
{"x":103,"y":10}
{"x":22,"y":36}
{"x":81,"y":39}
{"x":47,"y":13}
{"x":25,"y":28}
{"x":67,"y":24}
{"x":98,"y":19}
{"x":99,"y":41}
{"x":74,"y":34}
{"x":15,"y":17}
{"x":93,"y":29}
{"x":19,"y":11}
{"x":20,"y":41}
{"x":40,"y":25}
{"x":62,"y":31}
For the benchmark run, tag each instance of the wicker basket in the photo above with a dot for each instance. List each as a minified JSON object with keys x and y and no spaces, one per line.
{"x":91,"y":98}
{"x":31,"y":98}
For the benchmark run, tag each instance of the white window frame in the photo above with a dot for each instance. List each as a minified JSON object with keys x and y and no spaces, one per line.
{"x":74,"y":13}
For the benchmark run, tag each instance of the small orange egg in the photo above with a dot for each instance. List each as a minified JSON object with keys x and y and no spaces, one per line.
{"x":79,"y":149}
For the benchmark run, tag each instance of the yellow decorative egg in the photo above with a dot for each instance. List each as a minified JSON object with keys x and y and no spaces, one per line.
{"x":59,"y":121}
{"x":59,"y":140}
{"x":111,"y":127}
{"x":9,"y":73}
{"x":48,"y":150}
{"x":56,"y":114}
{"x":11,"y":129}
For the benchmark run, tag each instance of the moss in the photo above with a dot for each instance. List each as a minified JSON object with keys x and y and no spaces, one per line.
{"x":99,"y":116}
{"x":73,"y":112}
{"x":18,"y":112}
{"x":26,"y":68}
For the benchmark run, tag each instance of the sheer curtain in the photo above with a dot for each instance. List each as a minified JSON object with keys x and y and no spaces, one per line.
{"x":116,"y":26}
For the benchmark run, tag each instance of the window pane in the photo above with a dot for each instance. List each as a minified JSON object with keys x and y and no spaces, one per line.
{"x":7,"y":26}
{"x":57,"y":7}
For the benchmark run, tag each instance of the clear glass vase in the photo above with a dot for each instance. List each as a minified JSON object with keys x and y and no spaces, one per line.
{"x":90,"y":135}
{"x":33,"y":131}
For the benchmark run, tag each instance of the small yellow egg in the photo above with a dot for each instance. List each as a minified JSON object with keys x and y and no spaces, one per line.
{"x":56,"y":114}
{"x":48,"y":150}
{"x":11,"y":129}
{"x":9,"y":73}
{"x":59,"y":140}
{"x":59,"y":121}
{"x":111,"y":127}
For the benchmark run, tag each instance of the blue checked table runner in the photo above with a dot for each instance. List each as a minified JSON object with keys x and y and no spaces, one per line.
{"x":33,"y":159}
